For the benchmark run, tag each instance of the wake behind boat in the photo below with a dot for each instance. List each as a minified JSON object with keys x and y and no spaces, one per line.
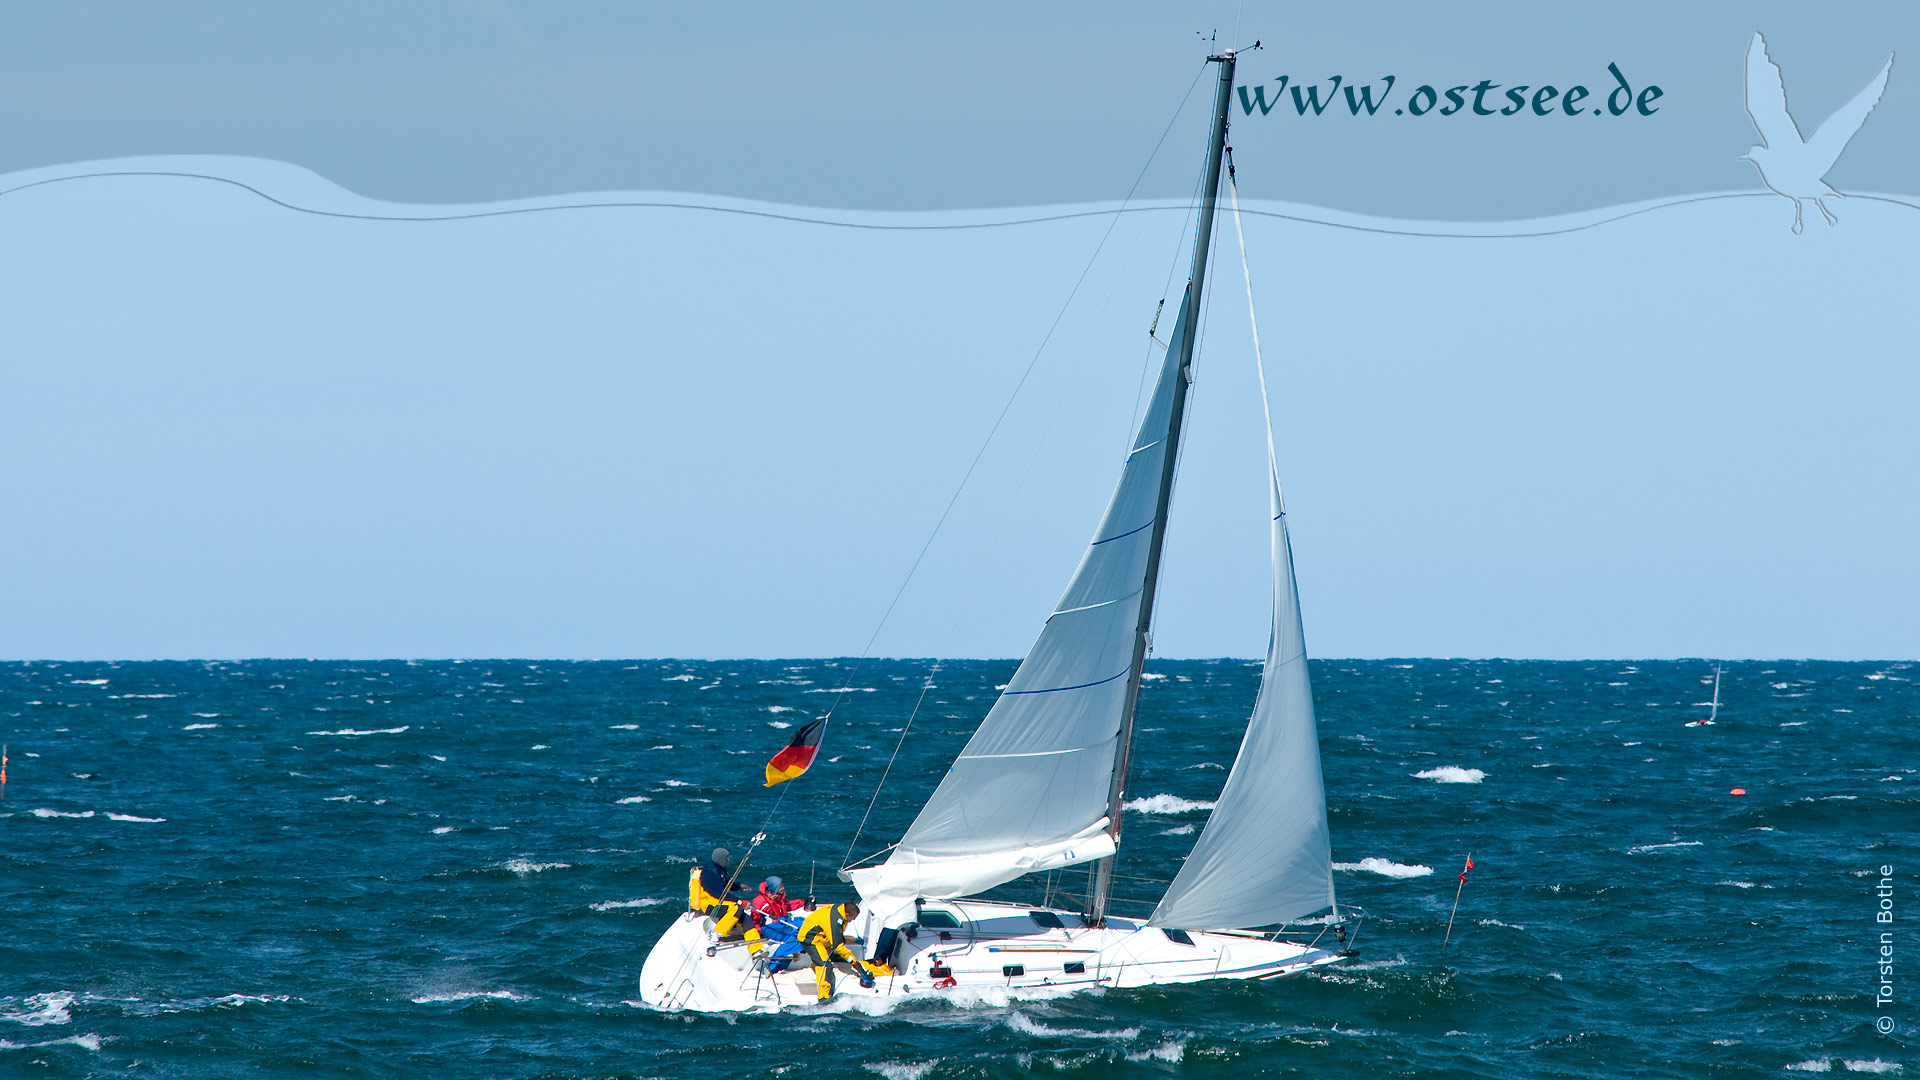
{"x":1040,"y":786}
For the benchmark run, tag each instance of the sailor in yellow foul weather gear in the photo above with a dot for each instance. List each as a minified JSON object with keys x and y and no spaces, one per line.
{"x":824,"y":933}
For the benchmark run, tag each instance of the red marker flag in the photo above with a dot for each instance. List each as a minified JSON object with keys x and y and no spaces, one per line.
{"x":1464,"y":869}
{"x":797,"y":755}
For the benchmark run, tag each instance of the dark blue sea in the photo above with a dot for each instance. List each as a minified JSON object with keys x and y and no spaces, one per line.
{"x":453,"y":869}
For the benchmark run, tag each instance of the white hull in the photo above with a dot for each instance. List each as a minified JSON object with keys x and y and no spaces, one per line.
{"x":998,"y":949}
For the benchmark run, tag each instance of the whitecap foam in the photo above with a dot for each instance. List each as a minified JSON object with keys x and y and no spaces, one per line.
{"x":470,"y":995}
{"x":778,"y":724}
{"x":206,"y":715}
{"x":1178,"y":830}
{"x":224,"y":1001}
{"x":676,"y":783}
{"x":1165,"y":804}
{"x":616,"y":905}
{"x":679,"y":678}
{"x":1873,"y":1066}
{"x":39,"y":1010}
{"x":779,"y":708}
{"x":1451,"y":774}
{"x":662,"y":746}
{"x":1737,"y":884}
{"x":902,"y":1070}
{"x":636,"y":799}
{"x":442,"y":830}
{"x":1811,"y":1065}
{"x":199,"y":727}
{"x":43,"y":812}
{"x":134,"y":817}
{"x":371,"y":731}
{"x":1385,"y":868}
{"x":87,"y":682}
{"x":1021,"y":1022}
{"x":88,"y":1042}
{"x":844,"y":690}
{"x":1642,"y":849}
{"x":1497,"y":922}
{"x":623,"y":727}
{"x":1205,"y":765}
{"x":523,"y":867}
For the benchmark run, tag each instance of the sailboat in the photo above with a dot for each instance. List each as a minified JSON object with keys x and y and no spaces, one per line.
{"x":1713,"y":713}
{"x":1040,"y":787}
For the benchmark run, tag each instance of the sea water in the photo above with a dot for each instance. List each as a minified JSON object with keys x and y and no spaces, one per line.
{"x":454,"y":869}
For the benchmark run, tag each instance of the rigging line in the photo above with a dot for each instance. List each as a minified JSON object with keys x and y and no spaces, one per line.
{"x":925,"y":687}
{"x":988,"y":441}
{"x":874,"y":227}
{"x":1259,"y":365}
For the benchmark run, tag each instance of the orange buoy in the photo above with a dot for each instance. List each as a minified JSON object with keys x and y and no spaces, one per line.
{"x":1738,"y":791}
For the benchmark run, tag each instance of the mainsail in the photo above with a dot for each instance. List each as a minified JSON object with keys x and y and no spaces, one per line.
{"x":1032,"y":789}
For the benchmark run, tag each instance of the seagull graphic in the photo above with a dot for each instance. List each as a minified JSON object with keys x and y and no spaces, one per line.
{"x":1789,"y":165}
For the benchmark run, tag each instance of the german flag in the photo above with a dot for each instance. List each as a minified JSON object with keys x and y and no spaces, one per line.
{"x":797,"y":755}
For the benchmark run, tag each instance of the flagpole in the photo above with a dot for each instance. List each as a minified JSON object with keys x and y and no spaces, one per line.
{"x":1456,"y":902}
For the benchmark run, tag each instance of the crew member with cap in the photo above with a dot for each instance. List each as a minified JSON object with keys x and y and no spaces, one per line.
{"x":707,"y":886}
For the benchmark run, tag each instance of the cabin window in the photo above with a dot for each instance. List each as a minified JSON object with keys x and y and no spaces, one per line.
{"x":1047,"y":919}
{"x":1013,"y":970}
{"x":1180,"y":937}
{"x":1076,"y":967}
{"x":934,"y":919}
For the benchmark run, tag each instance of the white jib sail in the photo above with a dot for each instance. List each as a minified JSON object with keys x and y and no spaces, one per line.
{"x":1265,"y":856}
{"x":1030,"y":791}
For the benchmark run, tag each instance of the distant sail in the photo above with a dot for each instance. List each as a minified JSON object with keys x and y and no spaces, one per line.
{"x":1030,"y":791}
{"x":1265,"y":857}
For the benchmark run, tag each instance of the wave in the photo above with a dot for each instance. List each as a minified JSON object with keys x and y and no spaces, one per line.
{"x":224,"y":1001}
{"x":43,"y":812}
{"x":39,"y":1010}
{"x":87,"y":1042}
{"x":1021,"y":1022}
{"x":1165,"y":804}
{"x":523,"y":867}
{"x":442,"y":830}
{"x":902,"y":1070}
{"x":471,"y":995}
{"x":1178,"y":830}
{"x":372,"y":731}
{"x":616,"y":905}
{"x":199,"y":727}
{"x":1451,"y":774}
{"x":636,"y":799}
{"x":844,"y":690}
{"x":1385,"y":868}
{"x":133,"y":817}
{"x":1171,"y":1052}
{"x":623,"y":727}
{"x":1642,"y":849}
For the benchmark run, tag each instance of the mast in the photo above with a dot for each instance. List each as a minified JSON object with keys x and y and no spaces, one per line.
{"x":1216,"y":146}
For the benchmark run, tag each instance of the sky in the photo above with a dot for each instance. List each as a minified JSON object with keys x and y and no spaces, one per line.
{"x":234,"y":429}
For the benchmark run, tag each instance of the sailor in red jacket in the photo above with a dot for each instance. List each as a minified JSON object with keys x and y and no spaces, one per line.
{"x":772,"y":902}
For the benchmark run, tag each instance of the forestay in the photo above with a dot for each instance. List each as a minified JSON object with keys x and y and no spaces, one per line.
{"x":1031,"y":790}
